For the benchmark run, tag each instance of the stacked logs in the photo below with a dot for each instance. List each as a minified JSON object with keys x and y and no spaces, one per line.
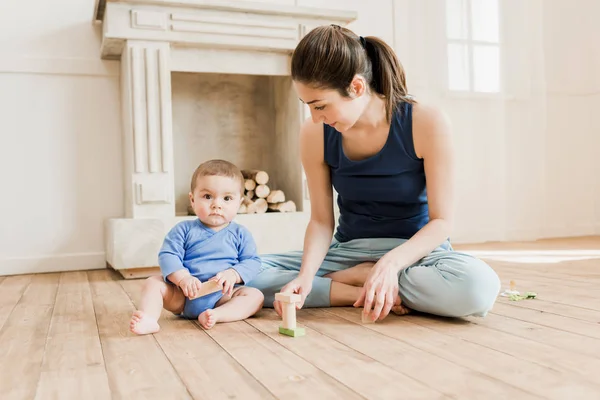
{"x":259,"y":198}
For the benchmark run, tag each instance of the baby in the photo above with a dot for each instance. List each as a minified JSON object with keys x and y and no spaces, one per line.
{"x":209,"y":248}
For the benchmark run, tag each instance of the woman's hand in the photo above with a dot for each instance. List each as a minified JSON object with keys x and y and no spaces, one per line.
{"x":301,"y":285}
{"x":380,"y":291}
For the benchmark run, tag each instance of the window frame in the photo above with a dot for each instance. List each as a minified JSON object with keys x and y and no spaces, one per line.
{"x":470,"y":44}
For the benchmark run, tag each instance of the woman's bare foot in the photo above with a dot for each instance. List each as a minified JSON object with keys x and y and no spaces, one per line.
{"x":141,"y":324}
{"x":354,"y":276}
{"x":399,"y":309}
{"x":208,"y":319}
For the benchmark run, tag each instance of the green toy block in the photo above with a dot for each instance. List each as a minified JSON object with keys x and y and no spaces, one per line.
{"x":292,"y":332}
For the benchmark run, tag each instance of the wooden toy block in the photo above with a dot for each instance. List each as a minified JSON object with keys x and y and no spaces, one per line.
{"x":288,"y":326}
{"x":288,"y":297}
{"x":292,"y":332}
{"x":208,"y":287}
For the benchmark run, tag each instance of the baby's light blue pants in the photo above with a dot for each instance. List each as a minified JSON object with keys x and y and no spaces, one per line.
{"x":445,"y":282}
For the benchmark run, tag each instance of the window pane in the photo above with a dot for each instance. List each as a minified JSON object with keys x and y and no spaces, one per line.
{"x":486,"y":63}
{"x":485,"y":20}
{"x":456,"y":19}
{"x":458,"y":66}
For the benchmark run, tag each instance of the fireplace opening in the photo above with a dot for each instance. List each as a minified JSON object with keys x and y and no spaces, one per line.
{"x":250,"y":120}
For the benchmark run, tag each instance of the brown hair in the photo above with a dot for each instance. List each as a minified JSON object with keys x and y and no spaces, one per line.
{"x":218,"y":168}
{"x":329,"y":57}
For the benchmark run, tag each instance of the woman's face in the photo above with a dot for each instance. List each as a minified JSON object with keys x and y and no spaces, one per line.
{"x":331,"y":108}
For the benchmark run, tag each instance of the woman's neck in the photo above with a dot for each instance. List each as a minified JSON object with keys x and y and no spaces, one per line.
{"x":374,"y":116}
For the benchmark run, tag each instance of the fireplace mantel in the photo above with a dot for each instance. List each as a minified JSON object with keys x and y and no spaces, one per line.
{"x":259,"y":26}
{"x":157,"y":40}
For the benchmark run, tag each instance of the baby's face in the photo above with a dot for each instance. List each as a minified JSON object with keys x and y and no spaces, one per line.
{"x":216,"y":200}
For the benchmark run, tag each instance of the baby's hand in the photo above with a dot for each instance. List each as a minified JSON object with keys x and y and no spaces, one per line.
{"x":227,"y":279}
{"x":190,"y":286}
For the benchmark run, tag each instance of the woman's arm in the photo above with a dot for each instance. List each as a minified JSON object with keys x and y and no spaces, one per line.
{"x":320,"y":228}
{"x":431,"y":133}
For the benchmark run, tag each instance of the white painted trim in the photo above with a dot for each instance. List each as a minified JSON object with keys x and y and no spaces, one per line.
{"x":559,"y":93}
{"x":12,"y":64}
{"x":583,"y":229}
{"x":470,"y":237}
{"x":523,"y":235}
{"x":52,"y":263}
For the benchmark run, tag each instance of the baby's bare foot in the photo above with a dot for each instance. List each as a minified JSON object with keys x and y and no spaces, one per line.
{"x":208,"y":319}
{"x":399,"y":309}
{"x":141,"y":324}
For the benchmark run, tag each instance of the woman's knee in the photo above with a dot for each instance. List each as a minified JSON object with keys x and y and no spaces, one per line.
{"x":478,"y":288}
{"x":456,"y":285}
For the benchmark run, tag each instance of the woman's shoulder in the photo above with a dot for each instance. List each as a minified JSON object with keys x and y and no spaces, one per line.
{"x":310,"y":130}
{"x":427,"y":114}
{"x":428,"y":123}
{"x":311,"y":140}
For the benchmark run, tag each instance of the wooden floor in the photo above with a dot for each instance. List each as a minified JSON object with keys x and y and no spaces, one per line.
{"x":65,"y":336}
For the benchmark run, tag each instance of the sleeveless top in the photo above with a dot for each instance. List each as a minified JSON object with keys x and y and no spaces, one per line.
{"x":382,"y":196}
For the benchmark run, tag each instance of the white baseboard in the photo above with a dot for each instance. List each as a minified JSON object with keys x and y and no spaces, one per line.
{"x":524,"y":235}
{"x":584,"y":229}
{"x":59,"y":66}
{"x":475,"y":237}
{"x":52,"y":263}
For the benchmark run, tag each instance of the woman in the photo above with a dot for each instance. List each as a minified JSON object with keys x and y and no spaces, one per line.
{"x":390,"y":160}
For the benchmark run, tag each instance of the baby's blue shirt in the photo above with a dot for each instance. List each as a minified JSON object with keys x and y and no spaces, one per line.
{"x":192,"y":245}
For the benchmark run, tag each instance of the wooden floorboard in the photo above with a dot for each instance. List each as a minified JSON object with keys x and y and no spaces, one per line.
{"x":66,"y":335}
{"x":23,"y":338}
{"x":73,"y":355}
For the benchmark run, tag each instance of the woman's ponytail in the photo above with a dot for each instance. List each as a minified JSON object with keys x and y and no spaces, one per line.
{"x":388,"y":76}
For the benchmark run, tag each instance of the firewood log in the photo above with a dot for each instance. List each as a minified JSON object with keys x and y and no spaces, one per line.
{"x":261,"y":177}
{"x":247,"y":201}
{"x":250,"y":194}
{"x":259,"y":206}
{"x":276,"y":196}
{"x":249,"y":184}
{"x":262,"y":191}
{"x":243,"y":209}
{"x":288,"y":206}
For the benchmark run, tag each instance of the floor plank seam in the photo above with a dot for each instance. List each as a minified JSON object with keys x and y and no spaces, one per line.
{"x":548,"y":326}
{"x":60,"y":278}
{"x":550,"y":367}
{"x":87,"y":276}
{"x":16,"y":304}
{"x":537,"y":341}
{"x":523,"y":306}
{"x":309,"y":362}
{"x":109,"y":380}
{"x":493,"y":378}
{"x":368,"y":356}
{"x":132,"y":302}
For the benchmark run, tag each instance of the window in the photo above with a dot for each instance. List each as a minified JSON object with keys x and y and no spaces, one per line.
{"x":472,"y":29}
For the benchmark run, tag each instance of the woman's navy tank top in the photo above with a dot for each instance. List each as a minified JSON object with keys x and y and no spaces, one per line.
{"x":383,"y":196}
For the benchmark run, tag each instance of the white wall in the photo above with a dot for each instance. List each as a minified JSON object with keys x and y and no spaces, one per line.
{"x":60,"y":151}
{"x":572,"y":65}
{"x":527,"y":164}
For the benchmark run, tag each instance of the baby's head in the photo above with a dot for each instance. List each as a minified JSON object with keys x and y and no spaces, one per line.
{"x":216,"y":192}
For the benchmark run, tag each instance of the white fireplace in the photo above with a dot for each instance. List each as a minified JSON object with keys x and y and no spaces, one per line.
{"x":204,"y":79}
